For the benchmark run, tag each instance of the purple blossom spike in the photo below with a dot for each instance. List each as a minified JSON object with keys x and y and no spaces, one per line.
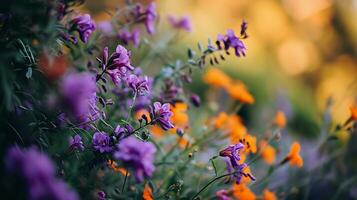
{"x":120,"y":131}
{"x":84,"y":25}
{"x":101,"y":142}
{"x":230,"y":40}
{"x":150,"y":18}
{"x":76,"y":143}
{"x":232,"y":152}
{"x":139,"y":85}
{"x":38,"y":172}
{"x":119,"y":64}
{"x":137,"y":155}
{"x":126,"y":36}
{"x":161,"y":115}
{"x":180,"y":23}
{"x":78,"y":91}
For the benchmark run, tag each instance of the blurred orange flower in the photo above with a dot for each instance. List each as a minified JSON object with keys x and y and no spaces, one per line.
{"x":220,"y":120}
{"x":293,"y":157}
{"x":238,"y":91}
{"x":353,"y":110}
{"x":280,"y":119}
{"x":250,"y":143}
{"x":147,"y":193}
{"x":53,"y":67}
{"x":217,"y":78}
{"x":241,"y":191}
{"x":179,"y":118}
{"x":140,"y":113}
{"x":268,"y":195}
{"x":268,"y":153}
{"x":114,"y":166}
{"x":156,"y":131}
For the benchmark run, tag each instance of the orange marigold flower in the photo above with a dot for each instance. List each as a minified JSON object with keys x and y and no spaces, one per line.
{"x":147,"y":193}
{"x":280,"y":119}
{"x":250,"y":143}
{"x":220,"y":120}
{"x":217,"y":78}
{"x":179,"y":117}
{"x":268,"y":152}
{"x":293,"y":157}
{"x":241,"y":191}
{"x":156,"y":131}
{"x":238,"y":91}
{"x":268,"y":195}
{"x":114,"y":166}
{"x":353,"y":110}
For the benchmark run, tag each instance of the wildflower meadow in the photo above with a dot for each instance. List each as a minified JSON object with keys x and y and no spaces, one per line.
{"x":126,"y":99}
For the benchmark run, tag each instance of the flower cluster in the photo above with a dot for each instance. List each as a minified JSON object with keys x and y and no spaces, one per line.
{"x":230,"y":40}
{"x":38,"y":172}
{"x":84,"y":25}
{"x":78,"y":91}
{"x":138,"y":155}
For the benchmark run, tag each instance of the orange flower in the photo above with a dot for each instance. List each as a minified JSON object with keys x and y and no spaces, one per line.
{"x":140,"y":113}
{"x":280,"y":119}
{"x":157,"y":131}
{"x":353,"y":110}
{"x":268,"y":195}
{"x":183,"y":142}
{"x":217,"y":78}
{"x":238,"y":91}
{"x":267,"y":152}
{"x":147,"y":193}
{"x":179,"y":117}
{"x":114,"y":166}
{"x":53,"y":67}
{"x":293,"y":157}
{"x":220,"y":120}
{"x":241,"y":191}
{"x":250,"y":143}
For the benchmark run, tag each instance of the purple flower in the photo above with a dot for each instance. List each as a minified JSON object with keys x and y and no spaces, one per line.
{"x":222,"y":194}
{"x":119,"y":131}
{"x":138,"y":84}
{"x":230,"y":40}
{"x":150,"y":18}
{"x":181,"y":23}
{"x":84,"y":25}
{"x":126,"y":36}
{"x":76,"y":143}
{"x":161,"y":115}
{"x":138,"y":155}
{"x":78,"y":91}
{"x":101,"y":195}
{"x":38,"y":172}
{"x":118,"y":64}
{"x":101,"y":142}
{"x":106,"y":27}
{"x":147,"y":16}
{"x":232,"y":152}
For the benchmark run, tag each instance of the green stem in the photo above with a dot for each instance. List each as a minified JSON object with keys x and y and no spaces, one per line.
{"x":126,"y":177}
{"x":209,"y":183}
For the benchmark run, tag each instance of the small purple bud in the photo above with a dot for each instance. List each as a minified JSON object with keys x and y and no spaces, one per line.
{"x":105,"y":55}
{"x":180,"y":132}
{"x":195,"y":100}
